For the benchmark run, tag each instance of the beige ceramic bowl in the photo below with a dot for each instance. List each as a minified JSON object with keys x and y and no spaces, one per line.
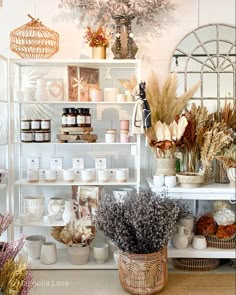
{"x":190,"y":179}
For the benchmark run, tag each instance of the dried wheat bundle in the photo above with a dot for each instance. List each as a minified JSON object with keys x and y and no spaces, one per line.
{"x":215,"y":140}
{"x":129,"y":84}
{"x":228,"y":115}
{"x":165,"y":105}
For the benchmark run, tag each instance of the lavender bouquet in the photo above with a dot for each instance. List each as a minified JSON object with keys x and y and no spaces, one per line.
{"x":141,"y":223}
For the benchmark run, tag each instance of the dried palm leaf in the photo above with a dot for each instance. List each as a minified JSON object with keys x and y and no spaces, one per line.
{"x":129,"y":84}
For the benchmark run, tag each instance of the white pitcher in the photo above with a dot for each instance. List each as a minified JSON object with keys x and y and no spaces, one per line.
{"x":69,"y":210}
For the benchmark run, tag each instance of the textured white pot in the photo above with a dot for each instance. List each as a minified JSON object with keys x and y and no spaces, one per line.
{"x":231,"y":173}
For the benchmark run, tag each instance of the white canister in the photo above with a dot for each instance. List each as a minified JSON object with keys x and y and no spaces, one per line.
{"x":32,"y":175}
{"x":50,"y":175}
{"x":122,"y":174}
{"x":170,"y":181}
{"x":103,"y":175}
{"x":95,"y":94}
{"x":124,"y":124}
{"x":110,"y":135}
{"x":68,"y":175}
{"x":110,"y":94}
{"x":48,"y":253}
{"x":124,"y":136}
{"x":33,"y":245}
{"x":87,"y":175}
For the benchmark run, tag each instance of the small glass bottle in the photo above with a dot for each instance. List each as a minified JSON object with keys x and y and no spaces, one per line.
{"x":71,"y":117}
{"x":64,"y":117}
{"x":87,"y":117}
{"x":81,"y":117}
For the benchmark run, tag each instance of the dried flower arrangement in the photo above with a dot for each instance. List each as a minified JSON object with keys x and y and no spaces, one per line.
{"x":141,"y":223}
{"x":98,"y":37}
{"x":15,"y":278}
{"x":98,"y":11}
{"x":74,"y":233}
{"x":167,"y":128}
{"x":228,"y":157}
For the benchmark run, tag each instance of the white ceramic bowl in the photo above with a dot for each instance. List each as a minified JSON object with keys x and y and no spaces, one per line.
{"x":190,"y":179}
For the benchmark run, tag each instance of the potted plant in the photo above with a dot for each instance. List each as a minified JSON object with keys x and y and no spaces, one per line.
{"x":167,"y":127}
{"x":99,"y":40}
{"x":77,"y":236}
{"x":140,"y":225}
{"x":15,"y":278}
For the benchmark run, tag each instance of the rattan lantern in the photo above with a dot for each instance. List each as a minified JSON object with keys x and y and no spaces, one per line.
{"x":34,"y":40}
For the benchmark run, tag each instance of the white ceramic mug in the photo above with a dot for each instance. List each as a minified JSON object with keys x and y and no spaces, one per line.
{"x":34,"y":206}
{"x":170,"y":180}
{"x":159,"y":180}
{"x":33,"y":245}
{"x":48,"y":253}
{"x":122,"y":174}
{"x":199,"y":242}
{"x":101,"y":252}
{"x":68,"y":175}
{"x":103,"y":175}
{"x":50,"y":175}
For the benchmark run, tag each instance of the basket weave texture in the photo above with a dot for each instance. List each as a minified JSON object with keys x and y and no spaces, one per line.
{"x":195,"y":264}
{"x":143,"y":274}
{"x":34,"y":40}
{"x":213,"y":241}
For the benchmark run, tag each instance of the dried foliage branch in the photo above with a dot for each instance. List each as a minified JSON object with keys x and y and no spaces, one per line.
{"x":129,"y":84}
{"x":215,"y":140}
{"x":228,"y":157}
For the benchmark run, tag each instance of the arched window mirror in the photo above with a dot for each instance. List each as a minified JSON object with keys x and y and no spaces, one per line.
{"x":207,"y":54}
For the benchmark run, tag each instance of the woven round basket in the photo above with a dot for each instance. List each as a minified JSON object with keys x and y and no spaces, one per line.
{"x":213,"y":241}
{"x":34,"y":40}
{"x":143,"y":274}
{"x":165,"y":166}
{"x":195,"y":264}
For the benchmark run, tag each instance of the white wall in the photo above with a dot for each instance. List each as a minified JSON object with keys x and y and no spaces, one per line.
{"x":155,"y":52}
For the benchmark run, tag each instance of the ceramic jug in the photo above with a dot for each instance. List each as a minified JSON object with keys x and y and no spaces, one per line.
{"x":69,"y":210}
{"x":180,"y":239}
{"x":54,"y":207}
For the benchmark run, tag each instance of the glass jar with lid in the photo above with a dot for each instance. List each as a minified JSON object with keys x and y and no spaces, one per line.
{"x":71,"y":117}
{"x":64,"y":117}
{"x":110,"y":135}
{"x":87,"y":117}
{"x":81,"y":117}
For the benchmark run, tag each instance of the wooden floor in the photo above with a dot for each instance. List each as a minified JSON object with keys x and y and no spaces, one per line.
{"x":106,"y":282}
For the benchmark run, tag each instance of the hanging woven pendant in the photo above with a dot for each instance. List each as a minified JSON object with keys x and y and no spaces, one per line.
{"x":34,"y":40}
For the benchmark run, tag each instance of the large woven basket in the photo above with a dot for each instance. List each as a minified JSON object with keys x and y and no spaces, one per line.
{"x":195,"y":264}
{"x":213,"y":241}
{"x":34,"y":40}
{"x":143,"y":274}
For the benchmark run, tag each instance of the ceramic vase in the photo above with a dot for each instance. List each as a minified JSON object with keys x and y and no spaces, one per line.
{"x":41,"y":90}
{"x":165,"y":166}
{"x":231,"y":173}
{"x":69,"y":211}
{"x":78,"y":255}
{"x":180,"y":239}
{"x":54,"y":207}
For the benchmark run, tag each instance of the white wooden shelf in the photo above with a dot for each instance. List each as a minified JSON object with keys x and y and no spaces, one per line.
{"x":39,"y":223}
{"x":64,"y":263}
{"x":80,"y":143}
{"x":132,"y":182}
{"x":76,"y":102}
{"x":205,"y":253}
{"x":214,"y":191}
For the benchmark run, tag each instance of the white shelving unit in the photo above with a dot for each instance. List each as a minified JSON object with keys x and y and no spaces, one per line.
{"x":105,"y":114}
{"x":211,"y":192}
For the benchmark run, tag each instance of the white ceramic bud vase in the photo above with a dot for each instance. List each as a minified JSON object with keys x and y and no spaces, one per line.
{"x":69,"y":211}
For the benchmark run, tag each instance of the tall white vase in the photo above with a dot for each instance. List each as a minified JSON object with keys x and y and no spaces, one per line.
{"x":69,"y":211}
{"x":41,"y":90}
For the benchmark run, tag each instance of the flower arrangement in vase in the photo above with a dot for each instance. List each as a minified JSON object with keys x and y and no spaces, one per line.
{"x":15,"y":278}
{"x":99,"y":40}
{"x":77,"y":236}
{"x":140,"y":225}
{"x":167,"y":124}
